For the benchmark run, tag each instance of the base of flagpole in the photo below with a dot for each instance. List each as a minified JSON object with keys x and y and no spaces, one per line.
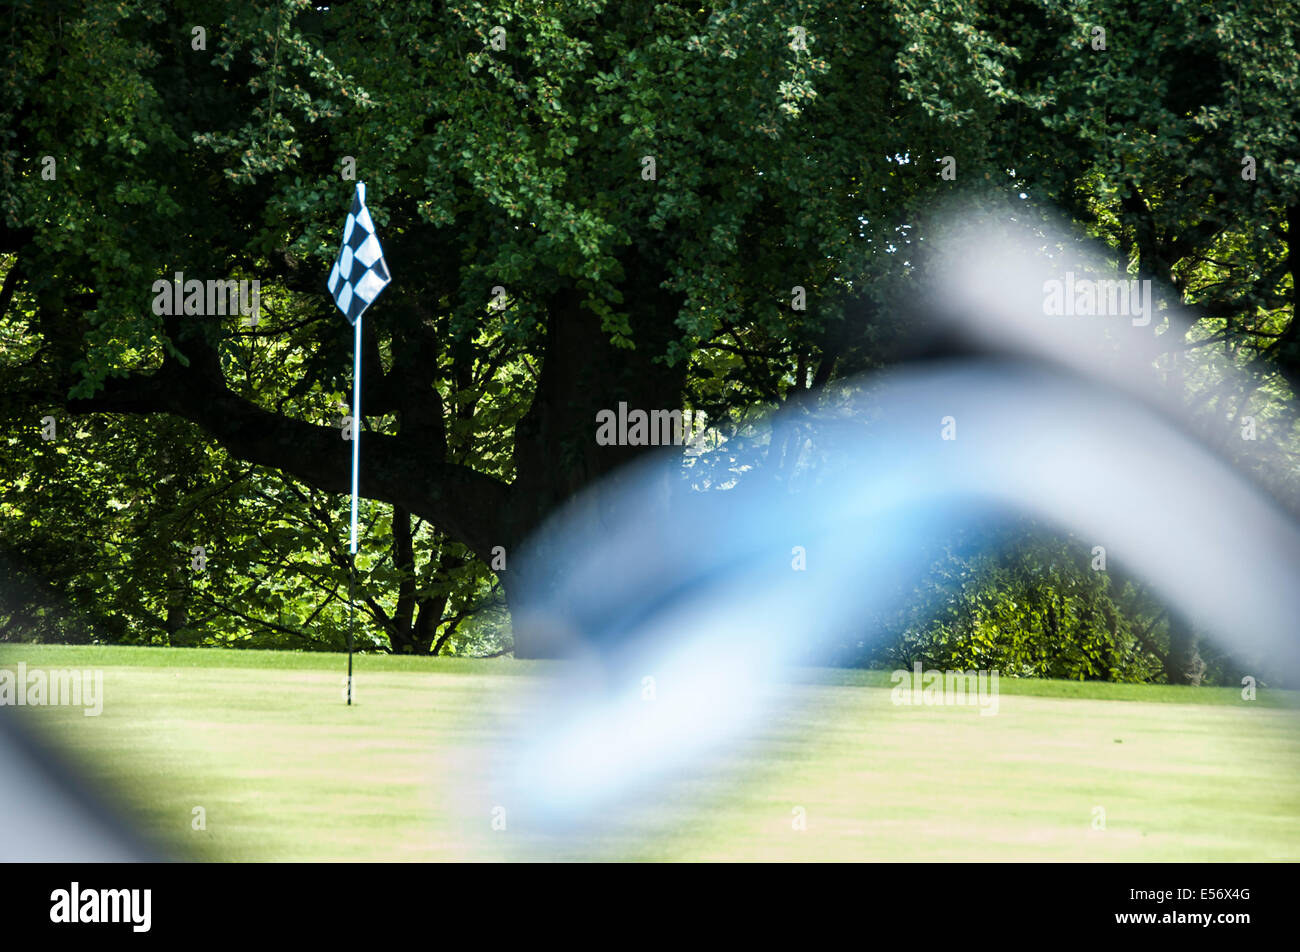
{"x":352,"y":616}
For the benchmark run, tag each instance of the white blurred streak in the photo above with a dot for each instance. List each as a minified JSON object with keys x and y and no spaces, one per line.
{"x":988,"y":281}
{"x":698,"y":592}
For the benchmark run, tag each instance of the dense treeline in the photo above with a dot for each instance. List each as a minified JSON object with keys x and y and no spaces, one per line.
{"x":178,"y":479}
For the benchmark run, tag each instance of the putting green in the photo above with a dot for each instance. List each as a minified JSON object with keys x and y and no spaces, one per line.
{"x":282,"y":770}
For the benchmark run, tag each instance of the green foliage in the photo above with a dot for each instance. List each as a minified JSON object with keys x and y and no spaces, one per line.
{"x":778,"y":164}
{"x":102,"y":523}
{"x":1029,"y":604}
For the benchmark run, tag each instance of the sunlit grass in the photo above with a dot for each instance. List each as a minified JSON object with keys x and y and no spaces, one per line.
{"x":284,"y":771}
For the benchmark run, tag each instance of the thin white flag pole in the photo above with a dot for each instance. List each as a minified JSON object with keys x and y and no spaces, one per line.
{"x":356,"y":465}
{"x":356,"y":426}
{"x":358,"y":276}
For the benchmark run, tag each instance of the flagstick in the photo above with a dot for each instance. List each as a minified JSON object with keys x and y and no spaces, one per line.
{"x":373,"y":277}
{"x":356,"y":463}
{"x":352,"y":616}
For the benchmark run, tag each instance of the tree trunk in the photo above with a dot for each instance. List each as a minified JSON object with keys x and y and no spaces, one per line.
{"x":556,"y":455}
{"x":400,"y":636}
{"x":1183,"y":664}
{"x":177,"y":612}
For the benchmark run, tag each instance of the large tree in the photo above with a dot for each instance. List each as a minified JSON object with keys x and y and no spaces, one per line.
{"x":509,"y":145}
{"x":526,"y":167}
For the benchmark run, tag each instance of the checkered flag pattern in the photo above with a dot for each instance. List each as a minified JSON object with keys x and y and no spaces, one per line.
{"x":359,"y":272}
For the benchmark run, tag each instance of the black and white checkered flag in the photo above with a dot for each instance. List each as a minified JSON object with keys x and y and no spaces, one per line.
{"x":359,"y":272}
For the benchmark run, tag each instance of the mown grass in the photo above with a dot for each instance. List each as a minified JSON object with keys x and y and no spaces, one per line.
{"x":284,"y":771}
